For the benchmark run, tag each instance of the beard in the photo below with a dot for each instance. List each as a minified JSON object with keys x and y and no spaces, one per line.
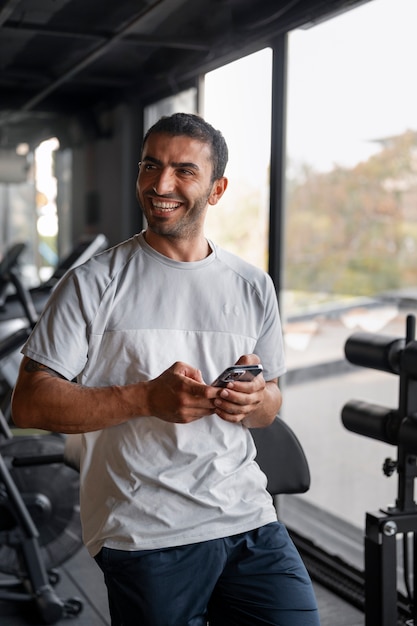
{"x":186,"y":226}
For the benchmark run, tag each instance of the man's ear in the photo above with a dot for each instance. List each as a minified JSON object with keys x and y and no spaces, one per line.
{"x":218,"y":189}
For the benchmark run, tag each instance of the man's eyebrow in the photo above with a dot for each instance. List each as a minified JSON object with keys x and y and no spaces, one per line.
{"x":181,"y":164}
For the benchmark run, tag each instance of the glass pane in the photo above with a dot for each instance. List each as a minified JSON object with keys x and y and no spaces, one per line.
{"x":241,"y":109}
{"x":28,"y":211}
{"x":351,"y":245}
{"x":47,"y":218}
{"x":185,"y":102}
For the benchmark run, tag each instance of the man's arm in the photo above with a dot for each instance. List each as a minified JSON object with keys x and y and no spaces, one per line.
{"x":44,"y":399}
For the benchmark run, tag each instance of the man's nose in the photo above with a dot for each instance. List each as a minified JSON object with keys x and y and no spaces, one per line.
{"x":164,"y":182}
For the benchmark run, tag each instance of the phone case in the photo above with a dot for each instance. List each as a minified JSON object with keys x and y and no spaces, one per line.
{"x":243,"y":373}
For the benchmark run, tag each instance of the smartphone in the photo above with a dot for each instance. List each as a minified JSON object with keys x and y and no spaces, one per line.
{"x":242,"y":373}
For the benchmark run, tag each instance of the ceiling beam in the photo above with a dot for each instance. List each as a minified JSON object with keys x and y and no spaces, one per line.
{"x":7,"y":10}
{"x":104,"y":38}
{"x":92,"y":56}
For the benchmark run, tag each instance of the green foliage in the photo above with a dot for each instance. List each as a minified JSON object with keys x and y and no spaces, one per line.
{"x":354,"y":231}
{"x":239,"y":224}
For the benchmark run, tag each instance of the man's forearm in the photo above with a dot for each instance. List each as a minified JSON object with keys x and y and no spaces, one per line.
{"x":43,"y":399}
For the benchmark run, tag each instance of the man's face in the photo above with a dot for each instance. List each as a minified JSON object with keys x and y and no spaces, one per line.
{"x":174,"y":184}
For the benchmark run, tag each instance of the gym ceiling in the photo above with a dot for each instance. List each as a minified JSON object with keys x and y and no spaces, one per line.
{"x":66,"y":59}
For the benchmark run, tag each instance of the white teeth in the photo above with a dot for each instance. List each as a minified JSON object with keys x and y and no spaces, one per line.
{"x":165,"y":206}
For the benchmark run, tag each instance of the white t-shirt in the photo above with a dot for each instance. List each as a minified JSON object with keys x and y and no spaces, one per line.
{"x":125,"y":316}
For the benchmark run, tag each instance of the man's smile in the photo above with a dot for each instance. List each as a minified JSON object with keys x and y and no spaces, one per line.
{"x":165,"y":205}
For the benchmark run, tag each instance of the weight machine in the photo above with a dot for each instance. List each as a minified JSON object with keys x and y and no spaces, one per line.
{"x":397,"y":427}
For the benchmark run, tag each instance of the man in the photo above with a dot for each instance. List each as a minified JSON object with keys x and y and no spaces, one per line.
{"x":174,"y":509}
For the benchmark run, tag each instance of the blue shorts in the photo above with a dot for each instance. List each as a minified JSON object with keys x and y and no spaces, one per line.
{"x":252,"y":579}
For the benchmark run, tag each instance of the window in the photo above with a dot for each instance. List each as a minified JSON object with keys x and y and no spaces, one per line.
{"x":28,"y":209}
{"x":351,"y":245}
{"x":241,"y":109}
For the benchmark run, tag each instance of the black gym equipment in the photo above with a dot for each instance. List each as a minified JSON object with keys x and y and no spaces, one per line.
{"x":397,"y":427}
{"x":11,"y":303}
{"x":39,"y":522}
{"x":39,"y":492}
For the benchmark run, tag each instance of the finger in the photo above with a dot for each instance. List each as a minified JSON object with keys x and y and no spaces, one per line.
{"x":243,"y":393}
{"x":234,"y":408}
{"x":248,"y":359}
{"x":231,"y":417}
{"x":183,"y":369}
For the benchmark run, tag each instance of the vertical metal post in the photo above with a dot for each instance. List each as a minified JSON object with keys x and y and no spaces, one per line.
{"x":277,"y":168}
{"x":414,"y":588}
{"x":380,"y":571}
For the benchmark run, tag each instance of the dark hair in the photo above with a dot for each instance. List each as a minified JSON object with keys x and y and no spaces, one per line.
{"x":196,"y":127}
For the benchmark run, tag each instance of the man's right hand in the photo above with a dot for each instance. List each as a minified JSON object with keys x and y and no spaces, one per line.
{"x":179,"y":395}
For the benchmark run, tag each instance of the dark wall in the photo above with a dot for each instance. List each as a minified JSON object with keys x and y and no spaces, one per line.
{"x":103,"y":178}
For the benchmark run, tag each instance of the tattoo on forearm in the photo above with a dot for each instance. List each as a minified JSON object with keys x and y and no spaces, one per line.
{"x":34,"y":366}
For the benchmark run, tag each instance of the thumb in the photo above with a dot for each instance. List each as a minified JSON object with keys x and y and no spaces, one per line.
{"x":190,"y":372}
{"x":248,"y":359}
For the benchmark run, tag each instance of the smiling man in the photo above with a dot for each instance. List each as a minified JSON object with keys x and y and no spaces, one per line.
{"x":176,"y":184}
{"x":174,"y":507}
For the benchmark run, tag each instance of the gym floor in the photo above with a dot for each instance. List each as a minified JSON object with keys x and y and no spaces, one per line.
{"x":80,"y":578}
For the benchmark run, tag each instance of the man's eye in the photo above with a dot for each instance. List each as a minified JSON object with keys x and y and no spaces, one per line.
{"x":149,"y":166}
{"x":186,"y":172}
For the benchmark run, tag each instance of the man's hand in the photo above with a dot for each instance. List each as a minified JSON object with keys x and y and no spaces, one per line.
{"x":254,"y":403}
{"x":179,"y":395}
